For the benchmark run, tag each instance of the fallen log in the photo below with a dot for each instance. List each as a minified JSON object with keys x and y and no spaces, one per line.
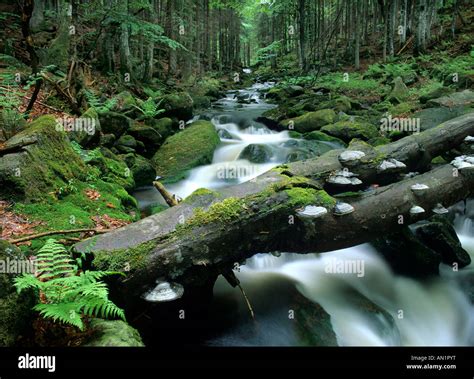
{"x":56,"y":232}
{"x":199,"y":239}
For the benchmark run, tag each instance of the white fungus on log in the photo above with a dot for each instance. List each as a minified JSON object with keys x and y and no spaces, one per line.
{"x":440,"y":210}
{"x":163,"y":292}
{"x":312,"y":211}
{"x":416,"y":210}
{"x":351,"y":155}
{"x":342,"y":209}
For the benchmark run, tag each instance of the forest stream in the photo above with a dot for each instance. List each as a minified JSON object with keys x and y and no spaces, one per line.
{"x":382,"y":309}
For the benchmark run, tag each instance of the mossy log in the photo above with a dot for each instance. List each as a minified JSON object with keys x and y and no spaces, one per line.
{"x":199,"y":239}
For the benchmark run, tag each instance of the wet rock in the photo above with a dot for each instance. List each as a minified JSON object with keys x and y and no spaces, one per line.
{"x":407,"y":255}
{"x":107,"y":140}
{"x":313,"y":323}
{"x":256,"y":153}
{"x":440,"y":236}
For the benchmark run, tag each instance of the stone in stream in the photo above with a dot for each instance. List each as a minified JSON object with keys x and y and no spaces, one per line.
{"x":178,"y":105}
{"x":164,"y":292}
{"x":256,"y":153}
{"x":310,"y":121}
{"x":439,"y":235}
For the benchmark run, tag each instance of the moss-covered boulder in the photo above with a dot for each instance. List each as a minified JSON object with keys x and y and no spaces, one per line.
{"x":432,"y":117}
{"x":126,"y":103}
{"x":47,"y":164}
{"x":435,"y":94}
{"x":15,"y":309}
{"x":320,"y":136}
{"x":143,"y":171}
{"x":464,"y":98}
{"x":399,"y":91}
{"x":87,"y":132}
{"x":178,"y":105}
{"x":339,"y":104}
{"x":164,"y":126}
{"x":311,"y":121}
{"x":148,"y":135}
{"x":114,"y":123}
{"x":112,"y":168}
{"x":183,"y":151}
{"x":113,"y":333}
{"x":348,"y":130}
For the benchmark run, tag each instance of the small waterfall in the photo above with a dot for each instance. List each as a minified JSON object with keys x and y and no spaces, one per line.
{"x":378,"y":308}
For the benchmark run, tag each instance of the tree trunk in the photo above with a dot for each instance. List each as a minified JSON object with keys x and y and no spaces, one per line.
{"x":262,"y":215}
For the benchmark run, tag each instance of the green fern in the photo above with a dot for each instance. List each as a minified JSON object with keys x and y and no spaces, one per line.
{"x":98,"y":105}
{"x":68,"y":295}
{"x":149,"y":108}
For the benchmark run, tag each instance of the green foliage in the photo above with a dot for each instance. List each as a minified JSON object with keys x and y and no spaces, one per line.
{"x":268,"y":52}
{"x":67,"y":189}
{"x":69,"y":295}
{"x":149,"y":108}
{"x":98,"y":105}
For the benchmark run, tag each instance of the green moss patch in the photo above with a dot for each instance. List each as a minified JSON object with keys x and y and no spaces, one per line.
{"x":183,"y":151}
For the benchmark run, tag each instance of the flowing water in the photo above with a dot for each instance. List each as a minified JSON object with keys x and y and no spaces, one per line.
{"x":372,"y":307}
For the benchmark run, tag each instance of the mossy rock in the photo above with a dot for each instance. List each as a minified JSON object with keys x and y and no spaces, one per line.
{"x":311,"y":121}
{"x":348,"y":130}
{"x":399,"y":91}
{"x":113,"y":169}
{"x":178,"y":105}
{"x":15,"y":309}
{"x":126,"y":102}
{"x":164,"y":126}
{"x":435,"y":94}
{"x":42,"y":167}
{"x":464,"y":98}
{"x":339,"y":104}
{"x":183,"y":151}
{"x":113,"y":333}
{"x":320,"y":136}
{"x":114,"y":123}
{"x":143,"y":171}
{"x":90,"y":134}
{"x":148,"y":135}
{"x":127,"y":141}
{"x":201,"y":102}
{"x":432,"y":117}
